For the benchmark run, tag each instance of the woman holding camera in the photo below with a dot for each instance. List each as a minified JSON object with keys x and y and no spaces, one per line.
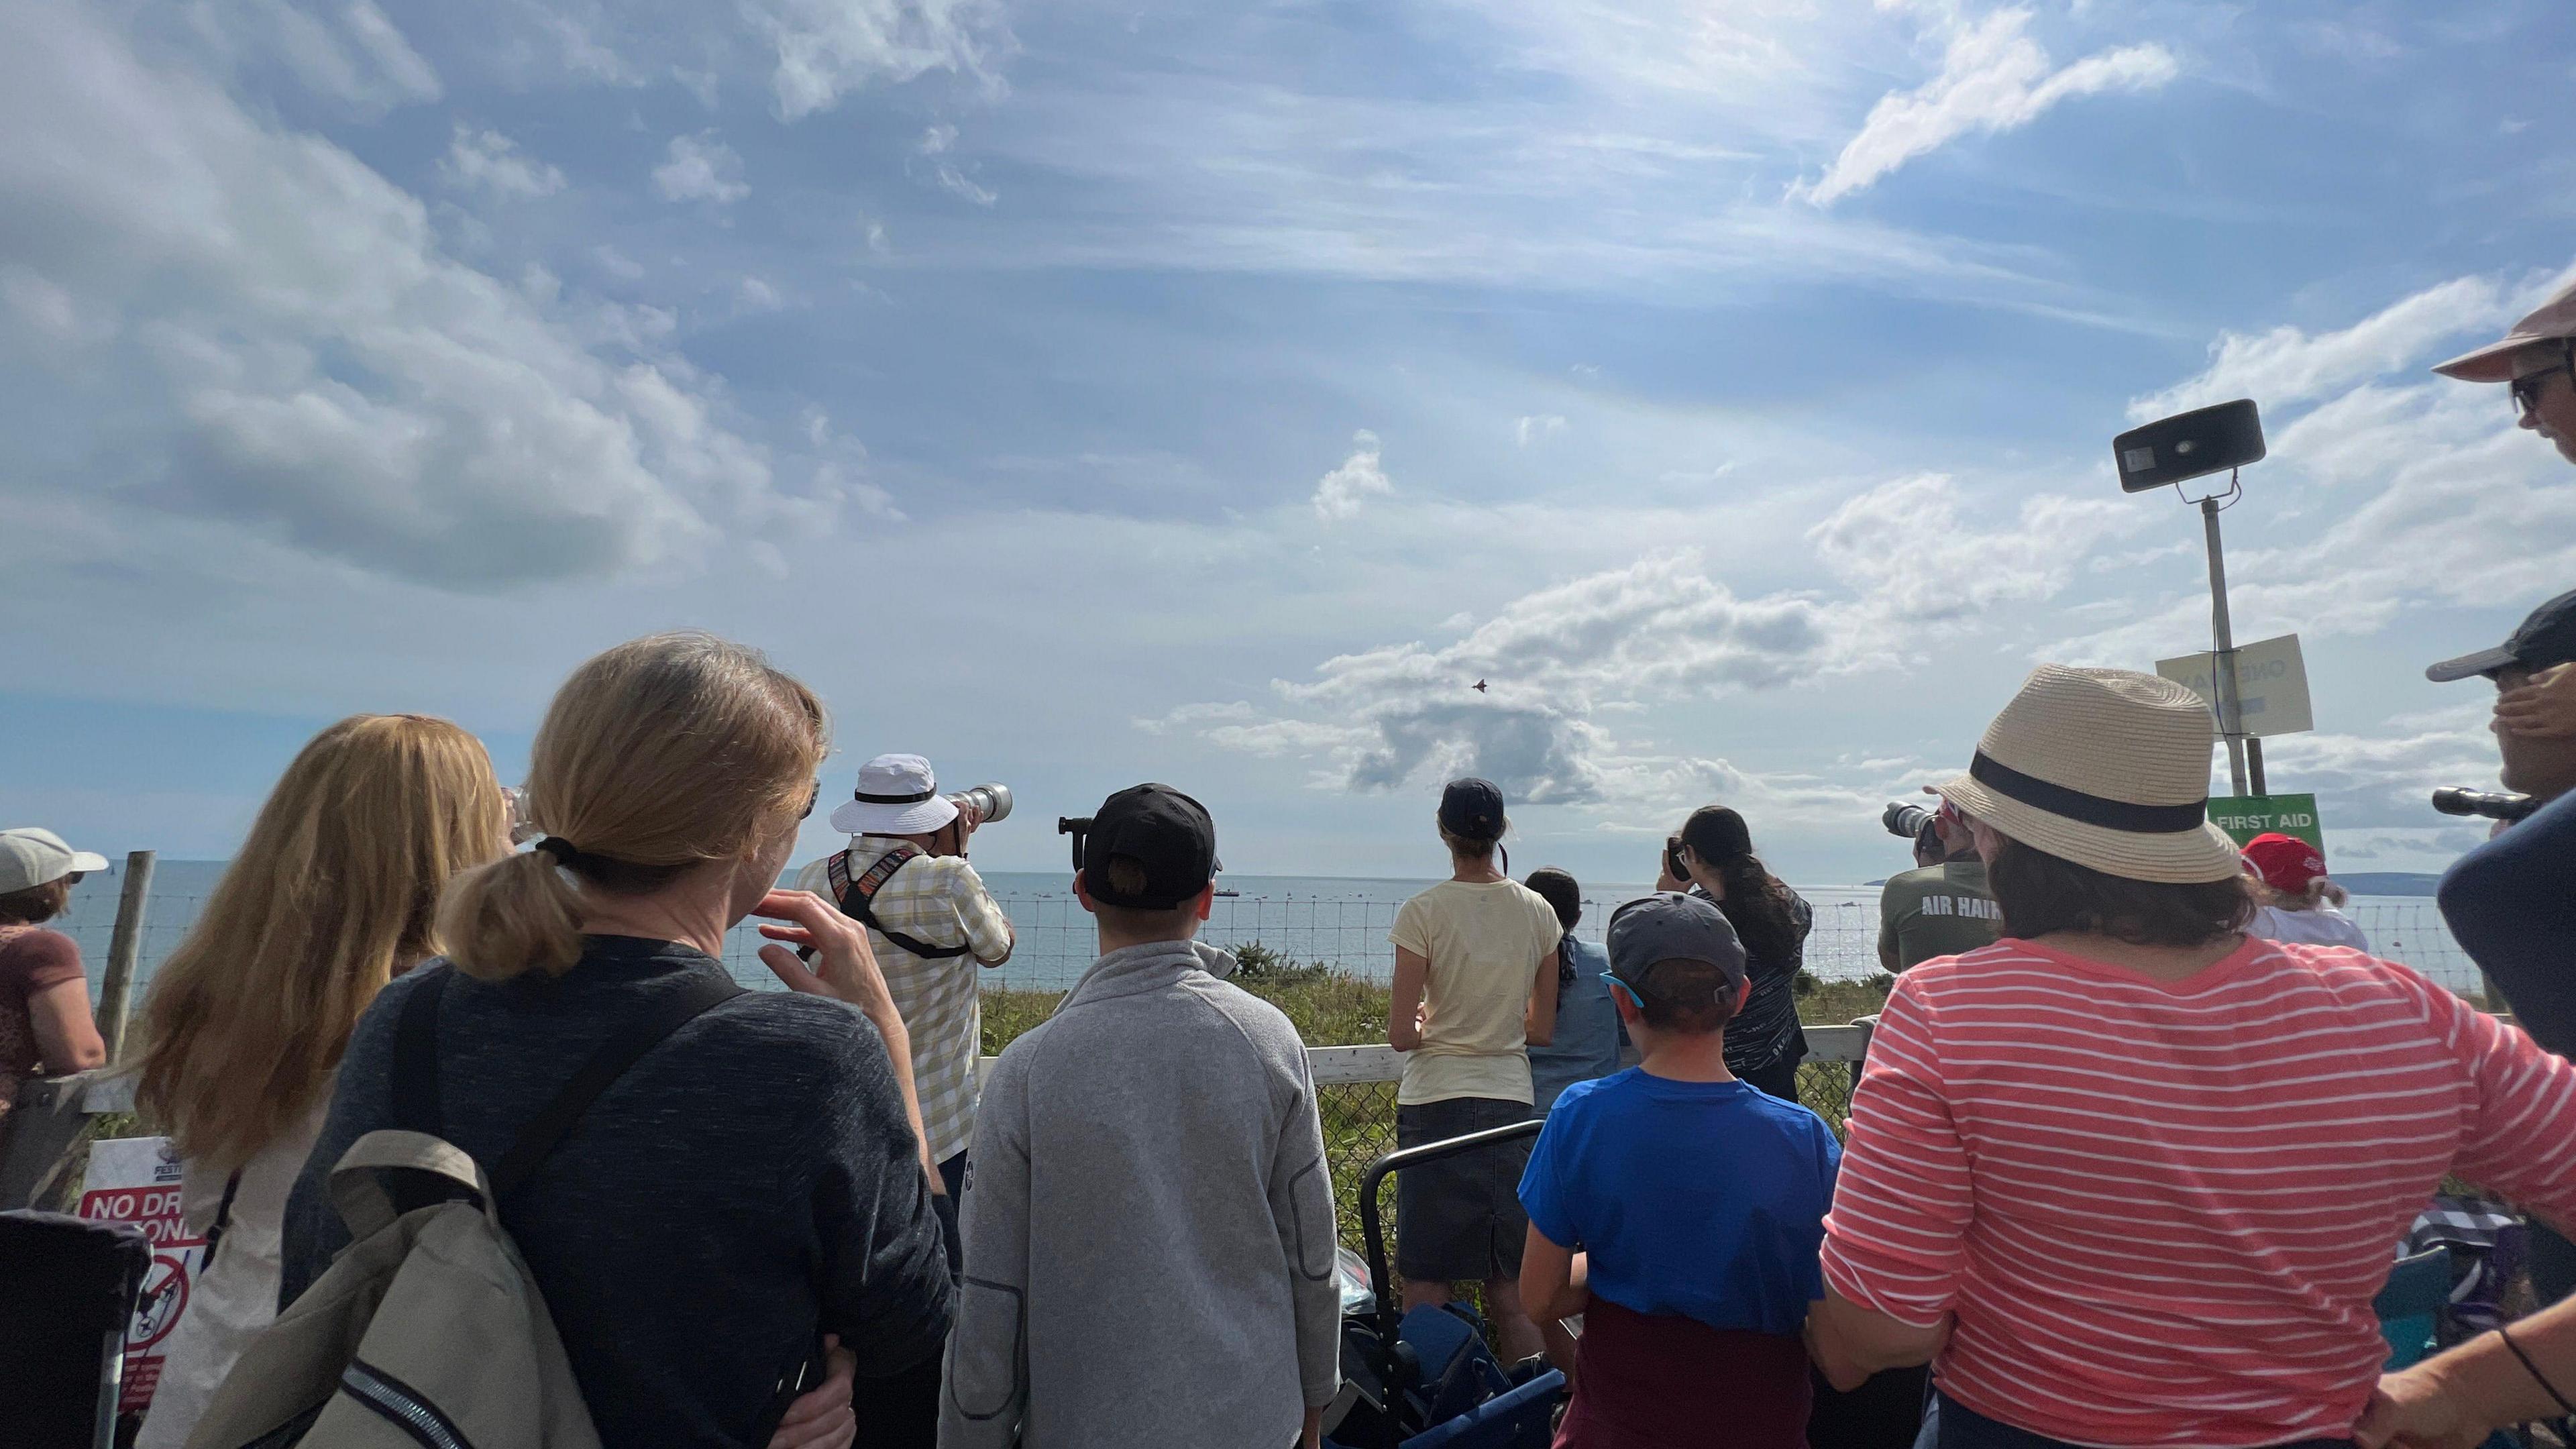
{"x":752,"y":1183}
{"x":1713,"y":857}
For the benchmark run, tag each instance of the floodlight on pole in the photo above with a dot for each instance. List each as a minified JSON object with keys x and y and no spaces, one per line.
{"x":2172,"y":451}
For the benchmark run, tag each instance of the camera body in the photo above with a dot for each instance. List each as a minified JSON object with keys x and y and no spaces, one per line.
{"x":1674,"y":863}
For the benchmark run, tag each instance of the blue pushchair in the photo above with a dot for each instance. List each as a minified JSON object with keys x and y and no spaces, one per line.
{"x":1425,"y":1379}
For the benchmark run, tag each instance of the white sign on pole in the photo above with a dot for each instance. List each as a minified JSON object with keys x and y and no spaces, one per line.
{"x":2271,"y":684}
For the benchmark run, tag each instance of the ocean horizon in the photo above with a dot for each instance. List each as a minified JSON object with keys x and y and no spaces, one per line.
{"x":1340,"y":920}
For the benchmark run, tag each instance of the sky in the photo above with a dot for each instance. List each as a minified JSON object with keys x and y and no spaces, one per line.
{"x":1083,"y":393}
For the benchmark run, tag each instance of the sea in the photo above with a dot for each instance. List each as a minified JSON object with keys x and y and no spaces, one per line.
{"x":1340,"y":921}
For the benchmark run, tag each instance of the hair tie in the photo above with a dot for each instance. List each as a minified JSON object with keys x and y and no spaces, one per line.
{"x":561,"y":849}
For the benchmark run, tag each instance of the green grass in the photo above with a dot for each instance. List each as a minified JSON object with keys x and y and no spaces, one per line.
{"x":1331,"y":1007}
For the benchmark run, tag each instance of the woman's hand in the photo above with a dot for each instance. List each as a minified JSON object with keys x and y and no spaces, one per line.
{"x":2410,"y":1410}
{"x":2544,"y":709}
{"x":821,"y":1417}
{"x":843,"y":966}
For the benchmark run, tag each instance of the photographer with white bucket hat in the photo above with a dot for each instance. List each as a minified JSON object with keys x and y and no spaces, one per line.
{"x":2130,"y":1176}
{"x":45,"y":1025}
{"x":932,"y":924}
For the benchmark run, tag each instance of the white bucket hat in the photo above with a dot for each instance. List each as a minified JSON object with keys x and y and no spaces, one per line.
{"x":30,"y":857}
{"x":2107,"y":768}
{"x":897,"y":796}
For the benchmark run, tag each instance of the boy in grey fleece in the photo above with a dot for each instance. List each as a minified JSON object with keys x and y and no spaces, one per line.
{"x":1148,"y":1215}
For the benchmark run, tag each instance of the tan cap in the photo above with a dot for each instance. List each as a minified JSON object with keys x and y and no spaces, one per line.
{"x":2554,"y":321}
{"x":2106,"y":768}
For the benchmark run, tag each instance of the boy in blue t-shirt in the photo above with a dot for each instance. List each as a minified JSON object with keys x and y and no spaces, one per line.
{"x":1679,"y":1210}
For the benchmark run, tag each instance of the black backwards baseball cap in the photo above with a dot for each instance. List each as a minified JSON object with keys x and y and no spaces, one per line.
{"x":1159,"y":828}
{"x":1472,"y":808}
{"x":2547,"y":637}
{"x":1676,"y":951}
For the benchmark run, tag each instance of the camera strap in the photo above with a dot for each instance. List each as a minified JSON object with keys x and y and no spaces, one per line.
{"x":857,"y":895}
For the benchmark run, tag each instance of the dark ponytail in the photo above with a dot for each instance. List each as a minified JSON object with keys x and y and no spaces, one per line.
{"x":1757,"y":903}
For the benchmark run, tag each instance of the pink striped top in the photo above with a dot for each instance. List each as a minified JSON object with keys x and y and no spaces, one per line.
{"x":2158,"y":1211}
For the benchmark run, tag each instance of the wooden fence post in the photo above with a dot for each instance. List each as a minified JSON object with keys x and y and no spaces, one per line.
{"x":124,"y":949}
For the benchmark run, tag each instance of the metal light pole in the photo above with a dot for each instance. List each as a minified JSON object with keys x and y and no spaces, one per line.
{"x":2231,"y":715}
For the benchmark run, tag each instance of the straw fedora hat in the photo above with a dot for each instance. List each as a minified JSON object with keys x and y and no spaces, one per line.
{"x":2107,"y":768}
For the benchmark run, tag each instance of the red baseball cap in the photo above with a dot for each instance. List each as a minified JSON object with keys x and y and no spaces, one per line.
{"x":2285,"y":862}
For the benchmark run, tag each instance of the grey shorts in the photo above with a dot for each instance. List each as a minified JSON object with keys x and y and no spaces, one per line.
{"x":1459,"y":1219}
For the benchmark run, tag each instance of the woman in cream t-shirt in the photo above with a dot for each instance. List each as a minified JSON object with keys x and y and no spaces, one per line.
{"x":1475,"y":988}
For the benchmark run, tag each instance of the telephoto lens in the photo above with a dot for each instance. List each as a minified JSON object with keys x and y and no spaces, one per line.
{"x":1905,"y":820}
{"x":2490,"y":804}
{"x":991,"y":802}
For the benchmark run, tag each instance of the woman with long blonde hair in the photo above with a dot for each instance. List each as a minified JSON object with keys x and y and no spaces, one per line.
{"x":332,"y":895}
{"x":753,"y":1184}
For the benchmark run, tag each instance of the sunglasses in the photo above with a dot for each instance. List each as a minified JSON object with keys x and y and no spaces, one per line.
{"x":811,"y":801}
{"x":1624,"y":989}
{"x":2526,"y":388}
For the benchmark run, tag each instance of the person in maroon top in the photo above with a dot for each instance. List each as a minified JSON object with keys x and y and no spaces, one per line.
{"x":45,"y":1025}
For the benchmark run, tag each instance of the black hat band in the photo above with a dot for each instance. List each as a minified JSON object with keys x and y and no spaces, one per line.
{"x":2086,"y":809}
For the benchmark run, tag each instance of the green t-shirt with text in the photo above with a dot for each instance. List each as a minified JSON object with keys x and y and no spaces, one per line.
{"x":1937,"y":910}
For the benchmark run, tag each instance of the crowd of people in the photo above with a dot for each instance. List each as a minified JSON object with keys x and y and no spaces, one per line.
{"x":2140,"y":1127}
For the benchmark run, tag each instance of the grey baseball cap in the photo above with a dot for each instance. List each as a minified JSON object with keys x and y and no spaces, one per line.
{"x":1668,"y":926}
{"x":30,"y":857}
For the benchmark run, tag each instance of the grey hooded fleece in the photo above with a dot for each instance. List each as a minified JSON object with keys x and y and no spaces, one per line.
{"x":1149,"y":1223}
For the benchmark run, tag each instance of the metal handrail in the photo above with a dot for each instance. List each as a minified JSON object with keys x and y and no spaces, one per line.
{"x":1371,"y":1232}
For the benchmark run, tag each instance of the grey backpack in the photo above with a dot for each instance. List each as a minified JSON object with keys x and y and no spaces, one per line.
{"x":428,"y":1332}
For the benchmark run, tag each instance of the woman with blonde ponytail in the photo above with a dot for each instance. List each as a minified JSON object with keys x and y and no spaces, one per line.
{"x":748,"y":1200}
{"x":328,"y":899}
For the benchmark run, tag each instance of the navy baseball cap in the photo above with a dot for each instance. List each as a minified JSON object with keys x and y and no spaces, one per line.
{"x":2547,"y":637}
{"x":1676,"y":950}
{"x":1473,"y":808}
{"x":1159,"y":828}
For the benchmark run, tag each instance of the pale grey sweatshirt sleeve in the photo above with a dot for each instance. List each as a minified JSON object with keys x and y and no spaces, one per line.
{"x":986,"y":1392}
{"x":1301,"y":1205}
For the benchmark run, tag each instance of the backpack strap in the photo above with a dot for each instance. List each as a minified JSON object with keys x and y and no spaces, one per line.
{"x":857,"y":895}
{"x":699,"y":992}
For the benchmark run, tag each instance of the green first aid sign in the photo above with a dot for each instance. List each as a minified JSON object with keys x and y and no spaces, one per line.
{"x":2245,"y":816}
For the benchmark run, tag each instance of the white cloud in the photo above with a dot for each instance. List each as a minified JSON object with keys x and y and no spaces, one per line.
{"x":1536,"y":429}
{"x":1340,"y":494}
{"x":752,"y":294}
{"x":1993,"y":78}
{"x":2287,"y":364}
{"x":701,"y":168}
{"x":616,"y":263}
{"x":936,"y":146}
{"x":1905,"y":547}
{"x":312,"y":368}
{"x":829,"y":48}
{"x":349,"y":51}
{"x":491,"y":160}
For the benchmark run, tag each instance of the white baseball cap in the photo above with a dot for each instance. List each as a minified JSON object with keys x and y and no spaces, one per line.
{"x":2554,"y":321}
{"x":898,"y":795}
{"x":30,"y":857}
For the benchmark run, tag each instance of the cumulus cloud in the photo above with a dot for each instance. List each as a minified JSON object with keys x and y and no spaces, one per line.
{"x":491,"y":161}
{"x":1993,"y":78}
{"x":700,"y":168}
{"x":2428,"y":495}
{"x":1341,"y":492}
{"x":312,"y":367}
{"x":2288,"y":365}
{"x":829,"y":48}
{"x":1907,"y":548}
{"x":1537,"y":429}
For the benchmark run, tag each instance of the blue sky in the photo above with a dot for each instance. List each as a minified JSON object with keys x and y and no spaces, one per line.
{"x":1083,"y":393}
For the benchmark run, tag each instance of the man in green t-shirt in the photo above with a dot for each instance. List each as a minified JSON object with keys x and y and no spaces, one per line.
{"x":1938,"y":910}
